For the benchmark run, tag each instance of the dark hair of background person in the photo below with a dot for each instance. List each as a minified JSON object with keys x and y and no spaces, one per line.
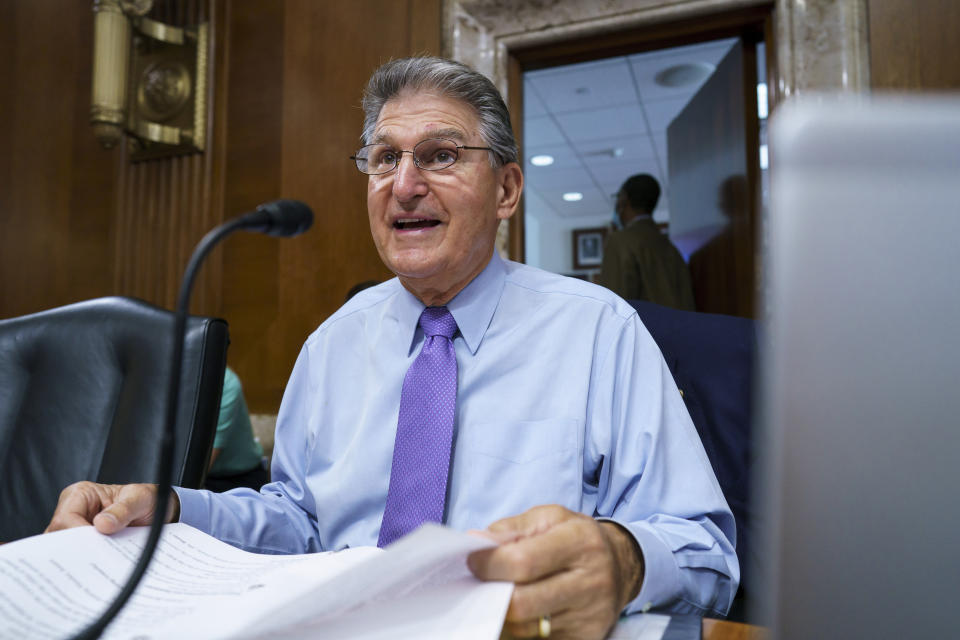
{"x":642,"y":191}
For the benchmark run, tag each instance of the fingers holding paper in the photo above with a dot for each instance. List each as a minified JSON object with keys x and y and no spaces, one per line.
{"x":579,"y":572}
{"x":108,"y":507}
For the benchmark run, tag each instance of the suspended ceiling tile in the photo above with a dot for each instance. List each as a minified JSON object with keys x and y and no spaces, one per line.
{"x":543,"y":131}
{"x":611,"y":122}
{"x":584,"y":86}
{"x":621,"y":148}
{"x":532,"y":104}
{"x":561,"y":180}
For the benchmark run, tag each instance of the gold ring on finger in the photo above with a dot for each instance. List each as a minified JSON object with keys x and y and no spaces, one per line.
{"x":543,"y":630}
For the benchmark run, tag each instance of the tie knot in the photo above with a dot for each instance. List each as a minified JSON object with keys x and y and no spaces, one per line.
{"x":437,"y":321}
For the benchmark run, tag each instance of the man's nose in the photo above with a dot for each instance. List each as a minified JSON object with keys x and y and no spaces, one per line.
{"x":408,"y":180}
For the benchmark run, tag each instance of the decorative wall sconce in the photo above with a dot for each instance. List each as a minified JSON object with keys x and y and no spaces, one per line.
{"x":149,"y":80}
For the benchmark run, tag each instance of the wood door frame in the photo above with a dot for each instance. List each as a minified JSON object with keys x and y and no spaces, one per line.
{"x":754,"y":24}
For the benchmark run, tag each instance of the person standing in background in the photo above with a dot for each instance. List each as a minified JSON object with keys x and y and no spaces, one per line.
{"x":237,"y":458}
{"x":639,"y":262}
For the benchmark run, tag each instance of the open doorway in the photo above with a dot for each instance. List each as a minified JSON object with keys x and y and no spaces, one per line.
{"x":685,"y":104}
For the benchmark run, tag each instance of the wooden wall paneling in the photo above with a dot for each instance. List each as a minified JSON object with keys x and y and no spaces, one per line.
{"x":214,"y":12}
{"x":55,"y":185}
{"x":92,"y":193}
{"x":914,"y":44}
{"x":214,"y":165}
{"x":328,"y":52}
{"x":158,"y":221}
{"x":425,"y":23}
{"x":9,"y":224}
{"x":321,"y":128}
{"x":252,"y":99}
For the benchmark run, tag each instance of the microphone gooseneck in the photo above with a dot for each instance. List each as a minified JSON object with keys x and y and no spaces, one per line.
{"x":282,"y":218}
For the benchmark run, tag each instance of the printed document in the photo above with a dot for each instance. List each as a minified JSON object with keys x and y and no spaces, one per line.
{"x":53,"y":585}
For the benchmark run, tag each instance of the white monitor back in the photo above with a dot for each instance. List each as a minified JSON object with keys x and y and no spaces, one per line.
{"x":861,"y":370}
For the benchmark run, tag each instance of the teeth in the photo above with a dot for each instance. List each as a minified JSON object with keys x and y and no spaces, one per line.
{"x":408,"y":220}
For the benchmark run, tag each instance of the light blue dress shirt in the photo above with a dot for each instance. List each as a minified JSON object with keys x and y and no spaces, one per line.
{"x":563,"y":398}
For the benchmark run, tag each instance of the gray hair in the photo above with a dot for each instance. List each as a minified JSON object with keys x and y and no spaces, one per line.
{"x":453,"y":80}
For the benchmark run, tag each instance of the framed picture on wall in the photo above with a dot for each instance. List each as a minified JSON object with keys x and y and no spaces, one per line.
{"x":588,"y":247}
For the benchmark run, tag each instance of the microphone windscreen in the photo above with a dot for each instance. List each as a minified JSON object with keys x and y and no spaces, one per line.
{"x":283,"y":218}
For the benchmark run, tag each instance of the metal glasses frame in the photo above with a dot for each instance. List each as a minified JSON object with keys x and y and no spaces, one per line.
{"x":358,"y":159}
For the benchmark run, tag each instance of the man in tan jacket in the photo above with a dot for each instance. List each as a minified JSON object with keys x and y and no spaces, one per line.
{"x":639,"y":262}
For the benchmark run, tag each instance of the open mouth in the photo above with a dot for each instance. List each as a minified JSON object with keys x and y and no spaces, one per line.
{"x":414,"y":223}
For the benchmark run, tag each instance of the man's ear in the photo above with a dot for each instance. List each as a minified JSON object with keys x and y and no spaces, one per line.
{"x":510,"y":188}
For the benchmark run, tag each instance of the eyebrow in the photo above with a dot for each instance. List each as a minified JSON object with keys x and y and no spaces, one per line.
{"x":453,"y":134}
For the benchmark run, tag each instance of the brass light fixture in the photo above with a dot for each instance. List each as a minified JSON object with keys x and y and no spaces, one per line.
{"x":149,"y":80}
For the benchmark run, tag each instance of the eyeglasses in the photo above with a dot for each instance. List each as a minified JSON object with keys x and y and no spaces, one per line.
{"x":431,"y":154}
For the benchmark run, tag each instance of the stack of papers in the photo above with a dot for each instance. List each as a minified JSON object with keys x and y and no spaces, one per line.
{"x":55,"y":584}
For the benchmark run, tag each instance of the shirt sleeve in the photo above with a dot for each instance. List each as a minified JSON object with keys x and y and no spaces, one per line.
{"x":656,"y":481}
{"x":280,"y":518}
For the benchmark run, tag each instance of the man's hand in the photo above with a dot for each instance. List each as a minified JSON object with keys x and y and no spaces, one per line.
{"x":566,"y":565}
{"x":108,"y":507}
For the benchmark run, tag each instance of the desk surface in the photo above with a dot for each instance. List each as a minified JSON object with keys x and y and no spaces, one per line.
{"x":723,"y":630}
{"x":688,"y":628}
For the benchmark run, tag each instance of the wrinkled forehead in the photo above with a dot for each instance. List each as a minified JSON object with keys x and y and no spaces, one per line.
{"x":425,"y":114}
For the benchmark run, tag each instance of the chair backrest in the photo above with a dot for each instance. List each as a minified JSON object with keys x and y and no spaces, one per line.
{"x":83,"y":390}
{"x":711,"y":357}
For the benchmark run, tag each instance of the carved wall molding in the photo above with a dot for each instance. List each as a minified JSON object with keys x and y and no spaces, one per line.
{"x":821,"y":44}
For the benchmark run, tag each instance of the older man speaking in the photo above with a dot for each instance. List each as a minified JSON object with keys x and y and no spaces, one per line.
{"x":476,"y":392}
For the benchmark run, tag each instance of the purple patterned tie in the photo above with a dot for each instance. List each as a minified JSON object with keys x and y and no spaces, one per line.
{"x":421,"y":452}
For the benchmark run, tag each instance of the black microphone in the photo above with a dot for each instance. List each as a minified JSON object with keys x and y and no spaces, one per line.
{"x":281,"y":218}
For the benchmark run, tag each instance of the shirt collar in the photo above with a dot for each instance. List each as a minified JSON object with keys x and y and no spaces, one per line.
{"x":637,"y":219}
{"x":472,"y":308}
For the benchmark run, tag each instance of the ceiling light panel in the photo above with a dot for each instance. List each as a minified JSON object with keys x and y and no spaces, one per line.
{"x":564,"y":156}
{"x":593,"y":203}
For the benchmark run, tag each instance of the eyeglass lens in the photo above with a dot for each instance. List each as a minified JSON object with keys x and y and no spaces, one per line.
{"x":431,"y":154}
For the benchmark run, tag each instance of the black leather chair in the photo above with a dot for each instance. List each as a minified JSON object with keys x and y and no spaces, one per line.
{"x":83,"y":390}
{"x":711,"y":357}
